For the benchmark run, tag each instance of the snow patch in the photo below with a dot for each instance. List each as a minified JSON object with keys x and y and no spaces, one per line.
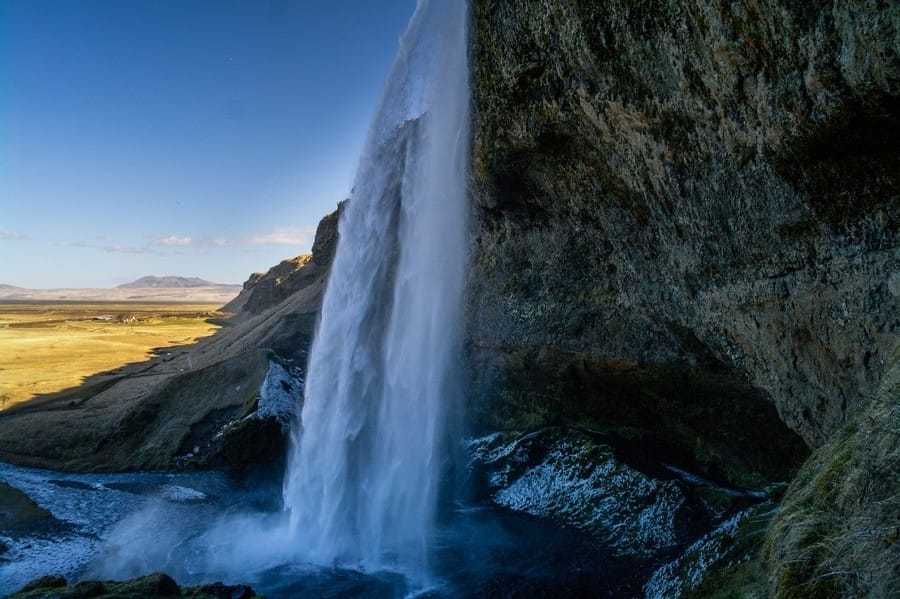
{"x":564,"y":476}
{"x":689,"y":569}
{"x":180,"y":494}
{"x":280,"y":394}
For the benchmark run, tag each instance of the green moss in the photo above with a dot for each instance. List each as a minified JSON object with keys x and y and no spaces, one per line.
{"x":145,"y":587}
{"x":745,"y":580}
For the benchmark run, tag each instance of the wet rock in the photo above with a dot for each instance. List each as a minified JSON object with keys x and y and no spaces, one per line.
{"x":222,"y":591}
{"x":146,"y":587}
{"x":254,"y":438}
{"x":710,"y":564}
{"x":18,"y":512}
{"x":564,"y":475}
{"x":45,"y":582}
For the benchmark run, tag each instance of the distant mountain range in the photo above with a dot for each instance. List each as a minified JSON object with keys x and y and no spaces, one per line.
{"x":144,"y":290}
{"x":170,"y":283}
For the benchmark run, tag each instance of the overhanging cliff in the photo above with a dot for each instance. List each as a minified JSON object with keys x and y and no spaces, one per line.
{"x":691,"y":183}
{"x":687,"y":232}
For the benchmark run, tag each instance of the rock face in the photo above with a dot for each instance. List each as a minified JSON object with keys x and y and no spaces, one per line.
{"x":264,"y":291}
{"x":702,"y":184}
{"x":687,"y":234}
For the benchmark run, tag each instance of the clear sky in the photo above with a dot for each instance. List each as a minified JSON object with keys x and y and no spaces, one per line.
{"x":179,"y":137}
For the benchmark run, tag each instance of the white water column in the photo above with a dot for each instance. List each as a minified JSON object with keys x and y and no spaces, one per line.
{"x":383,"y":379}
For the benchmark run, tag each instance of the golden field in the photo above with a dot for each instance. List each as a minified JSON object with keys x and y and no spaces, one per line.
{"x":48,"y":347}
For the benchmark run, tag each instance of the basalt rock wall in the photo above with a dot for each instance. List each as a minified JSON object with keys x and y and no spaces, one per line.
{"x":682,"y":193}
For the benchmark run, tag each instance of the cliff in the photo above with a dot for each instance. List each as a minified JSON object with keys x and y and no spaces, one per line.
{"x":687,"y":229}
{"x":264,"y":291}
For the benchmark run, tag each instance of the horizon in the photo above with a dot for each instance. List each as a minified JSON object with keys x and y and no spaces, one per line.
{"x":133,"y":280}
{"x":196,"y":139}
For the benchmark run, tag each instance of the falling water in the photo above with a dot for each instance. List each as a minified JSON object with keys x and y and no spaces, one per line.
{"x":365,"y":466}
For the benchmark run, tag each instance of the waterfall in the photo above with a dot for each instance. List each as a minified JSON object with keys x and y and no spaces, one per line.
{"x":382,"y":383}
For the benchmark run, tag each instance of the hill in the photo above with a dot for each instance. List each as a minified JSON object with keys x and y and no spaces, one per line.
{"x":170,"y":282}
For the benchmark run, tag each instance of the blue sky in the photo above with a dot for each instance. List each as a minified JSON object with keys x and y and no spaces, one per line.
{"x":179,"y":137}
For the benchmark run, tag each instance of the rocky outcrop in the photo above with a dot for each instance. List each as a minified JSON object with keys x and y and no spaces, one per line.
{"x":264,"y":291}
{"x":635,"y":509}
{"x":18,"y":512}
{"x":153,"y":585}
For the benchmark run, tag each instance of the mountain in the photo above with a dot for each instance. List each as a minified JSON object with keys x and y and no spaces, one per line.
{"x":144,"y":290}
{"x":170,"y":282}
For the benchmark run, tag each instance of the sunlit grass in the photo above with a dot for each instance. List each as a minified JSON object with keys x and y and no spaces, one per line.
{"x":45,"y":348}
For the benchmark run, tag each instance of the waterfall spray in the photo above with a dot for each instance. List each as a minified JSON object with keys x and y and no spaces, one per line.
{"x":366,"y":461}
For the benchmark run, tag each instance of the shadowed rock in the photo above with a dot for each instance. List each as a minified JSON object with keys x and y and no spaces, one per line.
{"x":153,"y":585}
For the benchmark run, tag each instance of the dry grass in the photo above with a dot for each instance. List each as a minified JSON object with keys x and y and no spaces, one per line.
{"x":838,"y":533}
{"x":48,"y":347}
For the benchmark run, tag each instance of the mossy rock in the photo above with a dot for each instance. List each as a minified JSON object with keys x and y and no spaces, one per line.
{"x":146,"y":587}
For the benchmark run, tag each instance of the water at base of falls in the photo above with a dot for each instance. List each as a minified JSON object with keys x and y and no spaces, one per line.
{"x":382,"y":385}
{"x":192,"y":526}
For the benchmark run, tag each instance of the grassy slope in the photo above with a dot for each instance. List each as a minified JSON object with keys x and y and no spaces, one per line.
{"x":838,"y":532}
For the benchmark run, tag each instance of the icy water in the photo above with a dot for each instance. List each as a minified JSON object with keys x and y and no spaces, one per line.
{"x":123,"y":525}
